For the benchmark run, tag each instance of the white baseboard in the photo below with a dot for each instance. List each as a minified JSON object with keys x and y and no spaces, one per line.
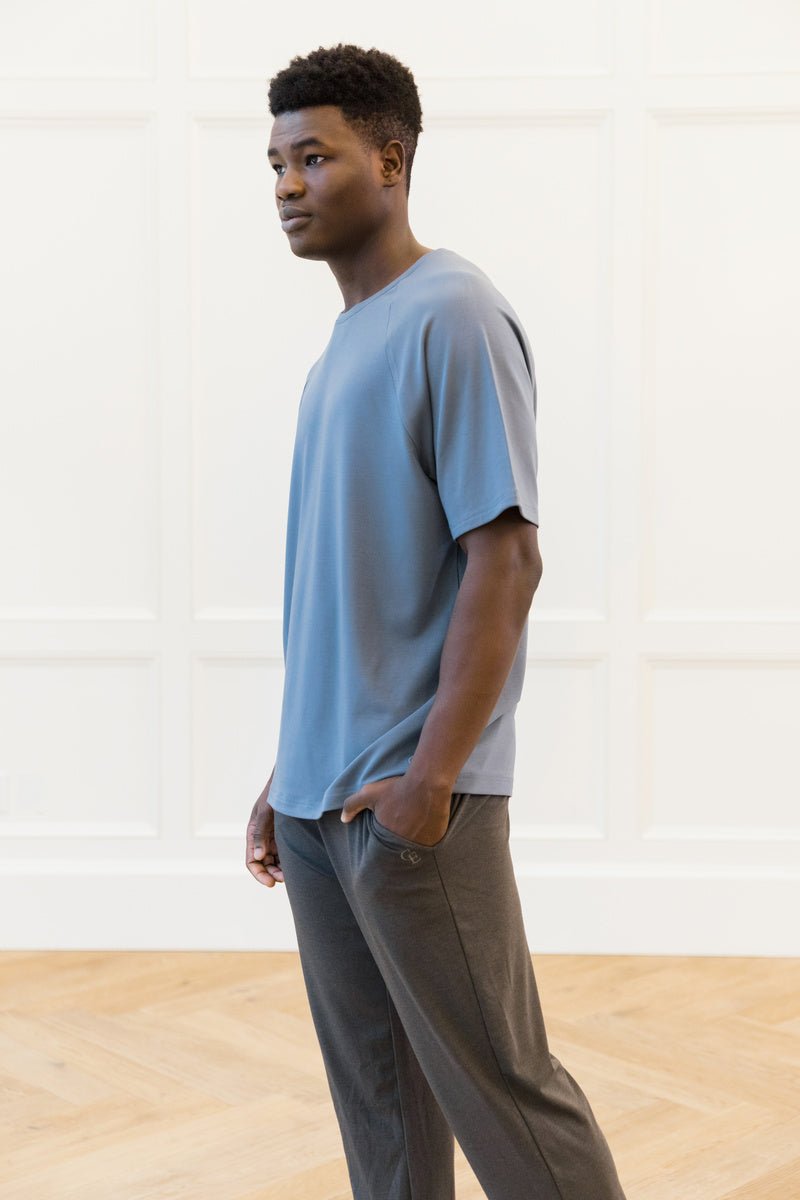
{"x":649,"y":909}
{"x":570,"y":908}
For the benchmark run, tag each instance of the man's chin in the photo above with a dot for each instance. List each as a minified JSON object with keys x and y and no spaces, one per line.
{"x":305,"y":249}
{"x":308,"y":252}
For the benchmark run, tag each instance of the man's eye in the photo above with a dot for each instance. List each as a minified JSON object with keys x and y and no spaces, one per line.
{"x":277,"y":168}
{"x":321,"y":157}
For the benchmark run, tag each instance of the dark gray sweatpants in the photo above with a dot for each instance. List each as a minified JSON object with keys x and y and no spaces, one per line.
{"x":423,"y":997}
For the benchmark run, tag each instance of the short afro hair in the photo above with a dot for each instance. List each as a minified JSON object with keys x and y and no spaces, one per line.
{"x":376,"y":93}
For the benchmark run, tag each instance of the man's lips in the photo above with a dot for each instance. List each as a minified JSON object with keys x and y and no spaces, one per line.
{"x":292,"y":217}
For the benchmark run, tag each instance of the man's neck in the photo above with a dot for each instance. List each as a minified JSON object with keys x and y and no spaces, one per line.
{"x":375,"y":266}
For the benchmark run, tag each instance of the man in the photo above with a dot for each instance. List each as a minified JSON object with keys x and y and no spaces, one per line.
{"x":411,"y":564}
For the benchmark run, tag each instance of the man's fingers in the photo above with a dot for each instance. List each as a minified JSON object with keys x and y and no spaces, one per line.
{"x":261,"y":855}
{"x":268,"y":875}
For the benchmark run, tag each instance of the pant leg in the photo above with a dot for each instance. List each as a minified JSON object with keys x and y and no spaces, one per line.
{"x":444,"y":926}
{"x":397,"y":1144}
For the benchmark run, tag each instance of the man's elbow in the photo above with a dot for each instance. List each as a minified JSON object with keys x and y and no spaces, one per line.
{"x":528,"y":560}
{"x":533,"y":574}
{"x":524,"y":575}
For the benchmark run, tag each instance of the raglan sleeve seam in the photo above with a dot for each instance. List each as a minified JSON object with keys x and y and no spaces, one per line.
{"x":394,"y":377}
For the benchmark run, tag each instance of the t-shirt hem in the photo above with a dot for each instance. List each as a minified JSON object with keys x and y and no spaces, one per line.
{"x":482,"y":784}
{"x":488,"y":512}
{"x":477,"y":782}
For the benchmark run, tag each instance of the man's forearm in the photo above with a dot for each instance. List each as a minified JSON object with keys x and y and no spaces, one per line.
{"x":482,"y":640}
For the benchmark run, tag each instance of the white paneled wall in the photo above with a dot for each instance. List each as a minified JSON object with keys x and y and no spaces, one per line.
{"x":629,"y":175}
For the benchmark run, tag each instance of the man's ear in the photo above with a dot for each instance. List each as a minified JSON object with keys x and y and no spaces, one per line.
{"x":393,"y":157}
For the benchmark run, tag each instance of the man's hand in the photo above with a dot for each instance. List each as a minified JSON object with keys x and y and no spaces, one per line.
{"x":418,"y":812}
{"x":261,"y":857}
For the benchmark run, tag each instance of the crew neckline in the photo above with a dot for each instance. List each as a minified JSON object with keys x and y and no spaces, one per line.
{"x":346,"y":313}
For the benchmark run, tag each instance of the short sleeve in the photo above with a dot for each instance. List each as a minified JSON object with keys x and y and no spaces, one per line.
{"x":482,"y":388}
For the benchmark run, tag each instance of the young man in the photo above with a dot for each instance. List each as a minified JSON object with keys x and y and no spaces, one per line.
{"x":411,"y":564}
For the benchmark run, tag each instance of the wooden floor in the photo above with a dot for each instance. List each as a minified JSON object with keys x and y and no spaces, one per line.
{"x":170,"y":1076}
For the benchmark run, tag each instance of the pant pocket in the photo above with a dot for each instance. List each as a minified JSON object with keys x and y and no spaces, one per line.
{"x":393,"y":840}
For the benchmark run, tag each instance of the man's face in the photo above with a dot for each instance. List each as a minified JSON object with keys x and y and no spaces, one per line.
{"x":329,"y":178}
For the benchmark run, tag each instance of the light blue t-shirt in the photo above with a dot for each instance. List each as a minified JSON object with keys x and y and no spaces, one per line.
{"x":416,"y":424}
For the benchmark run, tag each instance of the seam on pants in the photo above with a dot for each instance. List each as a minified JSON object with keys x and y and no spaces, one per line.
{"x":488,"y":1038}
{"x":399,"y":1090}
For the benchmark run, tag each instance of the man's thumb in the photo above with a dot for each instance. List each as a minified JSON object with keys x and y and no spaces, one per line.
{"x":259,"y":840}
{"x":347,"y":809}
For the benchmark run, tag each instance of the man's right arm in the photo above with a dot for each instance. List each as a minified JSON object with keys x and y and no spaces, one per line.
{"x":261,"y":856}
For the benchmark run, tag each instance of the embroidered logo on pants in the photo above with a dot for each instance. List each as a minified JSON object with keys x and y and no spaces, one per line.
{"x":410,"y":856}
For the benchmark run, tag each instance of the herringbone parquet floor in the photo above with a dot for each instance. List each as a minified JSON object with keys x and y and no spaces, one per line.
{"x":197,"y":1076}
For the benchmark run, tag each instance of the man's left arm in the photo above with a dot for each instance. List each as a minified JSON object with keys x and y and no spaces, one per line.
{"x":503,"y":570}
{"x":504,"y":567}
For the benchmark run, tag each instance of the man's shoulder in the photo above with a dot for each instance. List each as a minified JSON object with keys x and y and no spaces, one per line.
{"x":448,"y":287}
{"x":449,"y":273}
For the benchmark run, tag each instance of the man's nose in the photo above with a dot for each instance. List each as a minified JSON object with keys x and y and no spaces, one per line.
{"x":289,"y":184}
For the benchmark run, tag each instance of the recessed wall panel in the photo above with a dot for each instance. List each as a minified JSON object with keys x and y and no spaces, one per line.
{"x":241,"y":39}
{"x":85,"y":39}
{"x":79,"y":746}
{"x":560,"y":773}
{"x":721,"y":421}
{"x":79,"y":438}
{"x":717,"y":37}
{"x":236,"y":720}
{"x":720,"y":749}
